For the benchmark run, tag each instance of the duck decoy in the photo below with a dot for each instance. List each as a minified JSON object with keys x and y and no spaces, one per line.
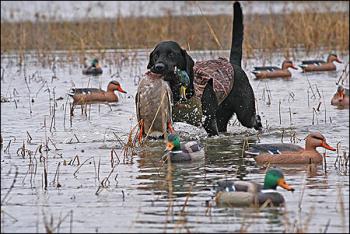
{"x":83,"y":96}
{"x":189,"y":151}
{"x":341,"y":97}
{"x":283,"y":153}
{"x":93,"y":69}
{"x":154,"y":106}
{"x":249,"y":193}
{"x":320,"y":65}
{"x":273,"y":71}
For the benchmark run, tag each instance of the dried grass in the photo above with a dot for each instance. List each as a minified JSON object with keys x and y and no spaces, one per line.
{"x":307,"y":30}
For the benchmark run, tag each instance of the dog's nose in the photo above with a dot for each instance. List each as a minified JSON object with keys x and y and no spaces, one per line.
{"x":159,"y":67}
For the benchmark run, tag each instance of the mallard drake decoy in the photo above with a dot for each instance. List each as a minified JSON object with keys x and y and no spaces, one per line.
{"x":93,"y":69}
{"x":341,"y":97}
{"x":283,"y":153}
{"x":246,"y":193}
{"x":83,"y":96}
{"x":153,"y":106}
{"x":190,"y":151}
{"x":273,"y":71}
{"x":320,"y":65}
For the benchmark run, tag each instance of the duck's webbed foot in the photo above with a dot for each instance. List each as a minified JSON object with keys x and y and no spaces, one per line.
{"x":170,"y":127}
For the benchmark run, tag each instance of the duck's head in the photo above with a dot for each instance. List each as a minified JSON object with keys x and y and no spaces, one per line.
{"x":288,"y":64}
{"x":341,"y":97}
{"x":114,"y":85}
{"x":340,"y":94}
{"x":316,"y":139}
{"x":274,"y":177}
{"x":173,"y":143}
{"x":333,"y":57}
{"x":94,"y":62}
{"x":341,"y":91}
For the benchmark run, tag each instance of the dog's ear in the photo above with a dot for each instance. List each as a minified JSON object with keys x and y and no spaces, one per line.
{"x":189,"y":63}
{"x":150,"y":62}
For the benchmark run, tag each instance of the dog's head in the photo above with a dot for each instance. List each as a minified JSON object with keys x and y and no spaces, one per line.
{"x":166,"y":56}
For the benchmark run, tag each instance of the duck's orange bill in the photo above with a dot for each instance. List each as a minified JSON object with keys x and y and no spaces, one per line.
{"x":282,"y":183}
{"x":338,"y":60}
{"x":169,"y":146}
{"x":325,"y":145}
{"x":120,"y":89}
{"x":341,"y":94}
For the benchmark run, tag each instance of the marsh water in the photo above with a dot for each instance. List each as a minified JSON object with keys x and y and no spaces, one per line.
{"x":92,"y":186}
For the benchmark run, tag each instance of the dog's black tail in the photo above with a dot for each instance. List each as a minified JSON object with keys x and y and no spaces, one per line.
{"x":237,"y":35}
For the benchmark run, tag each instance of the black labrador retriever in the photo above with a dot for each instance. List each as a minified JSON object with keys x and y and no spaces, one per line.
{"x":168,"y":56}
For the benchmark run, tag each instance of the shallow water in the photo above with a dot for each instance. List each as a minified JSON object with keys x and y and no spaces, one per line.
{"x":136,"y":198}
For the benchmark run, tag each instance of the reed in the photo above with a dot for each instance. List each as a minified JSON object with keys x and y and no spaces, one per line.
{"x":49,"y":224}
{"x":169,"y":183}
{"x":3,"y":200}
{"x":129,"y":148}
{"x":105,"y":183}
{"x":57,"y":175}
{"x":74,"y":174}
{"x":308,"y":30}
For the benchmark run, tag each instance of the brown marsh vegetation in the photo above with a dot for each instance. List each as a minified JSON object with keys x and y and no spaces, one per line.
{"x":306,"y":30}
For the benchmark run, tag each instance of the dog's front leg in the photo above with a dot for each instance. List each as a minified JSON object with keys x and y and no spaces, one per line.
{"x":209,"y":107}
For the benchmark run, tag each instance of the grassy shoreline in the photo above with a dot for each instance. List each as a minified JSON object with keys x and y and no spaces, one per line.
{"x":307,"y":30}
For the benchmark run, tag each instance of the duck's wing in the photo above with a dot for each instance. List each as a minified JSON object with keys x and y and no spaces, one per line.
{"x":306,"y":63}
{"x":191,"y":147}
{"x":272,"y":148}
{"x":246,"y":186}
{"x":88,"y":69}
{"x":179,"y":157}
{"x":225,"y":185}
{"x":85,"y":90}
{"x":312,"y":62}
{"x":238,"y":186}
{"x":267,"y":68}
